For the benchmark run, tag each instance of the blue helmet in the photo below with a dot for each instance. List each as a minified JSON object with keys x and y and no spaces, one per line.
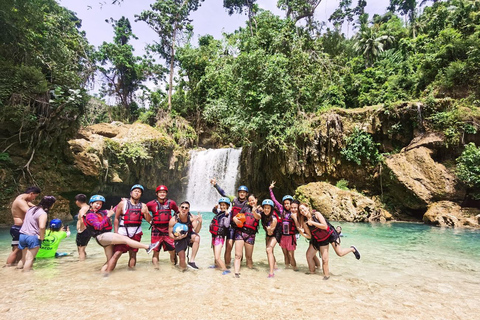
{"x":267,"y":201}
{"x":97,"y":197}
{"x":287,"y":197}
{"x":137,"y":186}
{"x":242,"y":188}
{"x":56,"y":224}
{"x":224,"y":200}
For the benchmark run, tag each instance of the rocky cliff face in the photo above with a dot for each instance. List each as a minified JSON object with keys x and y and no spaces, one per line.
{"x":106,"y":159}
{"x":416,"y":172}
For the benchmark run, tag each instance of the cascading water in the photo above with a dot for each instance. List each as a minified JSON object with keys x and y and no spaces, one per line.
{"x":222,"y":164}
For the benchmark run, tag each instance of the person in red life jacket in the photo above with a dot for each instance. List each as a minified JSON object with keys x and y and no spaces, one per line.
{"x":218,"y":228}
{"x":271,"y":223}
{"x":128,"y":222}
{"x":288,"y":241}
{"x":161,"y":209}
{"x":237,"y":205}
{"x":245,"y":235}
{"x":294,"y":210}
{"x":190,"y":238}
{"x":321,"y":233}
{"x":99,"y":224}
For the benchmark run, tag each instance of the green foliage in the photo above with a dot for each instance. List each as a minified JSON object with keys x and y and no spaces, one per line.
{"x":361,"y":149}
{"x":342,"y":184}
{"x":127,"y":152}
{"x":123,"y":72}
{"x":468,"y":166}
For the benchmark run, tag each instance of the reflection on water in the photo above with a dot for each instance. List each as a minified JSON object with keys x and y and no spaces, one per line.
{"x":407,"y":271}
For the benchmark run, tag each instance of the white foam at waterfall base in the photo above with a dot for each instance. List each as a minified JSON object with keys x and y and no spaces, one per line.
{"x":222,"y":164}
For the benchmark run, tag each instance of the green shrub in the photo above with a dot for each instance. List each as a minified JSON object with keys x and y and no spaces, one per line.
{"x":360,"y":148}
{"x":342,"y":184}
{"x":468,"y":166}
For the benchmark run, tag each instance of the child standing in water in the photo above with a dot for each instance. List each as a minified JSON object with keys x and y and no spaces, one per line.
{"x":288,"y":241}
{"x":273,"y":234}
{"x":219,"y":228}
{"x":52,"y":240}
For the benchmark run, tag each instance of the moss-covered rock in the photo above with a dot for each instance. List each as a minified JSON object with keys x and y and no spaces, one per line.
{"x":340,"y":205}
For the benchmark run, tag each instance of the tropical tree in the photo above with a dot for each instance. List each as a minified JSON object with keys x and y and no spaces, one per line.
{"x":370,"y":44}
{"x":123,"y":71}
{"x":239,"y":6}
{"x":170,"y":20}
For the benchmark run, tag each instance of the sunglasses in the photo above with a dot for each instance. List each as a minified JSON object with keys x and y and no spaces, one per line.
{"x":184,"y":207}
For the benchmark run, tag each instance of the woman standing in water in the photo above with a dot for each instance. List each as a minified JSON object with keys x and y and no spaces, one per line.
{"x":321,"y":233}
{"x":32,"y":232}
{"x":273,"y":234}
{"x":288,"y":241}
{"x":99,"y":225}
{"x":219,"y":228}
{"x":245,"y":236}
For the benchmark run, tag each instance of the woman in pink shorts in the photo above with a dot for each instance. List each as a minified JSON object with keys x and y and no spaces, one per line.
{"x":219,"y":228}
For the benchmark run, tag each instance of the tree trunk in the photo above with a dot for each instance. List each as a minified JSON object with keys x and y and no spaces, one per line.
{"x":172,"y":66}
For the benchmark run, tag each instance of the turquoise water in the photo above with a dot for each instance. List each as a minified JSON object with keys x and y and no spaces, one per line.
{"x":407,"y":271}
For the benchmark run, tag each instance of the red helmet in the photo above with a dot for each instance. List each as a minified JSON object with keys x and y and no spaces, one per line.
{"x":161,"y":188}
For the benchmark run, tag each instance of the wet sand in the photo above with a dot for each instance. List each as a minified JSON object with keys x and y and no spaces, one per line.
{"x":384,"y":284}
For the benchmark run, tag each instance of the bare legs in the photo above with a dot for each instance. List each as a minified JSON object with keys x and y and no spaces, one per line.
{"x":195,"y":245}
{"x":228,"y":252}
{"x":82,"y":254}
{"x":271,"y":242}
{"x":239,"y":244}
{"x":14,"y":257}
{"x":217,"y":251}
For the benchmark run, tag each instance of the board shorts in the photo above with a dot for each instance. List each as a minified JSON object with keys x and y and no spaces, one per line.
{"x":83,"y":238}
{"x":125,"y":248}
{"x":288,"y":242}
{"x":247,"y":237}
{"x":15,"y":233}
{"x":218,"y":240}
{"x":27,"y":241}
{"x":182,"y":245}
{"x":164,"y":240}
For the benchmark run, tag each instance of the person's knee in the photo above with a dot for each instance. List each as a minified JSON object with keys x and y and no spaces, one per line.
{"x":269,"y":249}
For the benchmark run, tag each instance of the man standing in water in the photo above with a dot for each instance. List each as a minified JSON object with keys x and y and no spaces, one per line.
{"x":161,"y":209}
{"x":20,"y":206}
{"x":237,"y":205}
{"x":128,"y":222}
{"x":83,"y":235}
{"x":190,"y":238}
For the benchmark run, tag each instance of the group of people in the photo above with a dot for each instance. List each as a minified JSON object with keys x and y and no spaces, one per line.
{"x":235,"y":224}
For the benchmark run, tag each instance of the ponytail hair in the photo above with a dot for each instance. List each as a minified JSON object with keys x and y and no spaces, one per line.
{"x":46,"y":203}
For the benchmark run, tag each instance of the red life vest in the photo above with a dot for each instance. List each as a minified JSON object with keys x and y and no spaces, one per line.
{"x":163,"y":213}
{"x":288,"y":224}
{"x":320,"y":234}
{"x":251,"y":224}
{"x":100,"y":216}
{"x":215,"y":228}
{"x":132,"y":216}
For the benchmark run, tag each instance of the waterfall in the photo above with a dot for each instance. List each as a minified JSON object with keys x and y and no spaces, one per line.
{"x":222,"y":164}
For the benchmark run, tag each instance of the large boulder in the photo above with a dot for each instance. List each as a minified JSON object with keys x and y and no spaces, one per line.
{"x":340,"y":205}
{"x":415,"y":180}
{"x":450,"y":214}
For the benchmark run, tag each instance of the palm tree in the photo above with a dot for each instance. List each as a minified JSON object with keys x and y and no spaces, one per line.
{"x":370,"y":44}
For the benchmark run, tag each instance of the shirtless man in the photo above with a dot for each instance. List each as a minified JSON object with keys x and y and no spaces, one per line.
{"x":83,"y":235}
{"x":20,"y":206}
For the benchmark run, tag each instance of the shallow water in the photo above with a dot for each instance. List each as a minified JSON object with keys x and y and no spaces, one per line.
{"x":407,"y":271}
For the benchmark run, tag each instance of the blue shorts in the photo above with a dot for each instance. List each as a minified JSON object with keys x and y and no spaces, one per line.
{"x":30,"y":242}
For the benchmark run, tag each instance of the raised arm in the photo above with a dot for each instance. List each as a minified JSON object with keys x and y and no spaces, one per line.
{"x":278,"y":205}
{"x":146,"y":214}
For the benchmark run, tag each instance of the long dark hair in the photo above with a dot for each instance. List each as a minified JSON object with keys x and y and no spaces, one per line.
{"x":46,"y":203}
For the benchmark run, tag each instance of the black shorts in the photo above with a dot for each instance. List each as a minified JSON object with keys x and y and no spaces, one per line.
{"x":230,"y":233}
{"x":182,"y":245}
{"x":83,"y":238}
{"x":333,"y":238}
{"x":15,"y":233}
